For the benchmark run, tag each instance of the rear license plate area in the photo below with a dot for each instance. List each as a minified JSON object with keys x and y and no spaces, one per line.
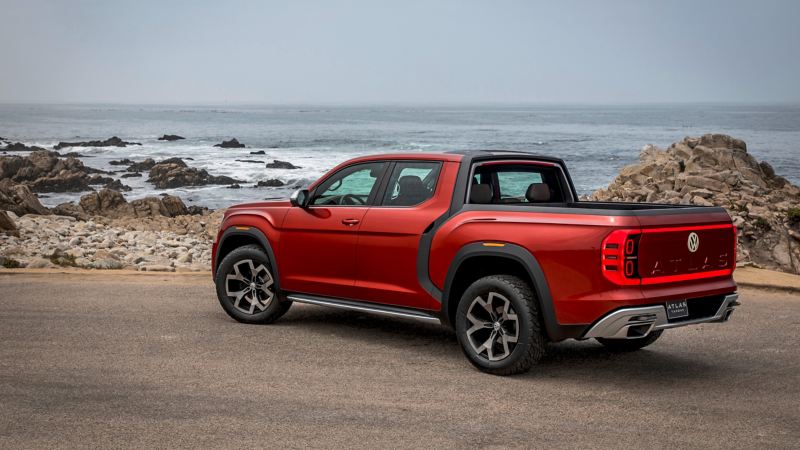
{"x":677,"y":309}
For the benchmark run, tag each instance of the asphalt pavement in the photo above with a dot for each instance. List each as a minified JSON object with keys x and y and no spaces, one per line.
{"x":153,"y":361}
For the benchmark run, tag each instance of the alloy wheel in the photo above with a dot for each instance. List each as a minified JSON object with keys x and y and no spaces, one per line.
{"x":248,"y":286}
{"x":493,"y":326}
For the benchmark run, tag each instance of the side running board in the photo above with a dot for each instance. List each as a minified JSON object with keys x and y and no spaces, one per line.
{"x":373,"y":308}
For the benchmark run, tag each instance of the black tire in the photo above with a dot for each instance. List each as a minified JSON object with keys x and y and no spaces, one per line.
{"x":274,"y":306}
{"x":630,"y":345}
{"x":530,"y":342}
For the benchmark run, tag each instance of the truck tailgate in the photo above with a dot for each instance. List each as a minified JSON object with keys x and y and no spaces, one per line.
{"x":677,"y":253}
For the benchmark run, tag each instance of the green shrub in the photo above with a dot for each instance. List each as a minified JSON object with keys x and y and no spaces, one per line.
{"x":794,"y":215}
{"x":9,"y":263}
{"x":761,"y":224}
{"x":60,"y":258}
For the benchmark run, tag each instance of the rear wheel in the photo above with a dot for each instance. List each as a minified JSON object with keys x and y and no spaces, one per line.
{"x":630,"y":345}
{"x":246,"y":288}
{"x":497,"y":324}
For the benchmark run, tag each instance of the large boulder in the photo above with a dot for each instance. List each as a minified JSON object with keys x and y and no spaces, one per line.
{"x":7,"y":224}
{"x":105,"y":202}
{"x":19,"y":199}
{"x":171,"y":174}
{"x":715,"y":169}
{"x":110,"y":142}
{"x":233,"y":143}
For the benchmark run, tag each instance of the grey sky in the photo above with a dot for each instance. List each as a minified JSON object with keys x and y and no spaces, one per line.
{"x":400,"y":51}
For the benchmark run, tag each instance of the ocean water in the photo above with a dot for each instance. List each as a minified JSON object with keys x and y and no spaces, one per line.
{"x":595,"y":141}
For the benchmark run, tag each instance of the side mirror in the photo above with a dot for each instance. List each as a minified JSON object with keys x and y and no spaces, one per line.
{"x":300,"y":198}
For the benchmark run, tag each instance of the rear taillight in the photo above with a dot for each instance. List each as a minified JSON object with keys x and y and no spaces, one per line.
{"x":620,"y":257}
{"x":735,"y":246}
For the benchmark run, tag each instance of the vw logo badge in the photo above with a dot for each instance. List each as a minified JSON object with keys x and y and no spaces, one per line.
{"x":693,"y":242}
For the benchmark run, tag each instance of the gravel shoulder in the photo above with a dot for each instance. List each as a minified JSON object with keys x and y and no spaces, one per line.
{"x":126,"y":360}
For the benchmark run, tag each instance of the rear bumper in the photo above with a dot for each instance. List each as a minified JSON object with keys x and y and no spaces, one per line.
{"x":638,"y":322}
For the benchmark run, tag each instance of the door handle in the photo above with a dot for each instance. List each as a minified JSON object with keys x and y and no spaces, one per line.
{"x":350,"y":222}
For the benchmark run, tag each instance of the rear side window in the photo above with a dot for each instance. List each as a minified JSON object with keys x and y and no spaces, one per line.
{"x":516,"y":183}
{"x":411,"y":183}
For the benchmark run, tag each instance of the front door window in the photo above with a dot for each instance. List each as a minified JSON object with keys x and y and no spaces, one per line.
{"x":352,"y":186}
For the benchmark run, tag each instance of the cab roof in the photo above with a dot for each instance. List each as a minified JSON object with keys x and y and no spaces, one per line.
{"x":457,"y":156}
{"x":431,"y":156}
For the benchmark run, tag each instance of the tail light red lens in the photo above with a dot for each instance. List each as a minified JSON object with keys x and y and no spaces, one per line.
{"x":619,"y":257}
{"x":735,"y":245}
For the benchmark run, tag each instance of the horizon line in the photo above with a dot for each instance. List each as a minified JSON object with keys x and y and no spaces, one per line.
{"x":408,"y":104}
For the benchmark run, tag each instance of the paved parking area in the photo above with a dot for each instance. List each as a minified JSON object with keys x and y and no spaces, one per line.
{"x":133,"y":361}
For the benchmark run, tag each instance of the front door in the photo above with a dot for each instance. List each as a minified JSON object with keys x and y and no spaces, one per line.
{"x":317,"y":247}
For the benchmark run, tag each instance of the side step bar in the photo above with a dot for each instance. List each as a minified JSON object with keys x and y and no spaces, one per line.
{"x":372,"y":308}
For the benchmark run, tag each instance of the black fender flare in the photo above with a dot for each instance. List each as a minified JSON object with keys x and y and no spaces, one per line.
{"x":261,"y":238}
{"x":555,"y":331}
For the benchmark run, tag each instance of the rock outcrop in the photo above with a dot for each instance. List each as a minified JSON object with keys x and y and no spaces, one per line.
{"x":20,"y":147}
{"x":117,"y":185}
{"x":171,"y":137}
{"x":277,"y":164}
{"x":45,"y":171}
{"x":233,"y":143}
{"x":145,"y":165}
{"x":7,"y":224}
{"x":716,"y":169}
{"x":110,"y":142}
{"x":272,"y":182}
{"x":112,"y":204}
{"x":19,"y":199}
{"x":174,"y":173}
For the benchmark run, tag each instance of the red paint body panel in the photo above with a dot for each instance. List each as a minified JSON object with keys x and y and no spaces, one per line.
{"x":267,"y":217}
{"x":376,"y":258}
{"x":388,"y":246}
{"x":567,"y":247}
{"x":317,"y":250}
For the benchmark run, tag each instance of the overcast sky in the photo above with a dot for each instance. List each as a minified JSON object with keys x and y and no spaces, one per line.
{"x":399,"y":51}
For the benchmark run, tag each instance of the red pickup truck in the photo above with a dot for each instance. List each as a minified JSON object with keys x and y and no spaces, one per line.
{"x":496,"y":245}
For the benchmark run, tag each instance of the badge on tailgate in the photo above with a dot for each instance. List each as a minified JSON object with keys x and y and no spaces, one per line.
{"x":677,"y":309}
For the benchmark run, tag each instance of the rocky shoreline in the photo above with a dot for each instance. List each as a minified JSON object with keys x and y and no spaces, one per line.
{"x":105,"y":231}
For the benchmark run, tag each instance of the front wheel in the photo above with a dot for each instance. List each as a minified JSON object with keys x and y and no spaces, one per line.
{"x":246,"y":288}
{"x":497,"y":324}
{"x":630,"y":345}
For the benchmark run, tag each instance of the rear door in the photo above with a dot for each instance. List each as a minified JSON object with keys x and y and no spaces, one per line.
{"x":317,"y":247}
{"x":389,"y":239}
